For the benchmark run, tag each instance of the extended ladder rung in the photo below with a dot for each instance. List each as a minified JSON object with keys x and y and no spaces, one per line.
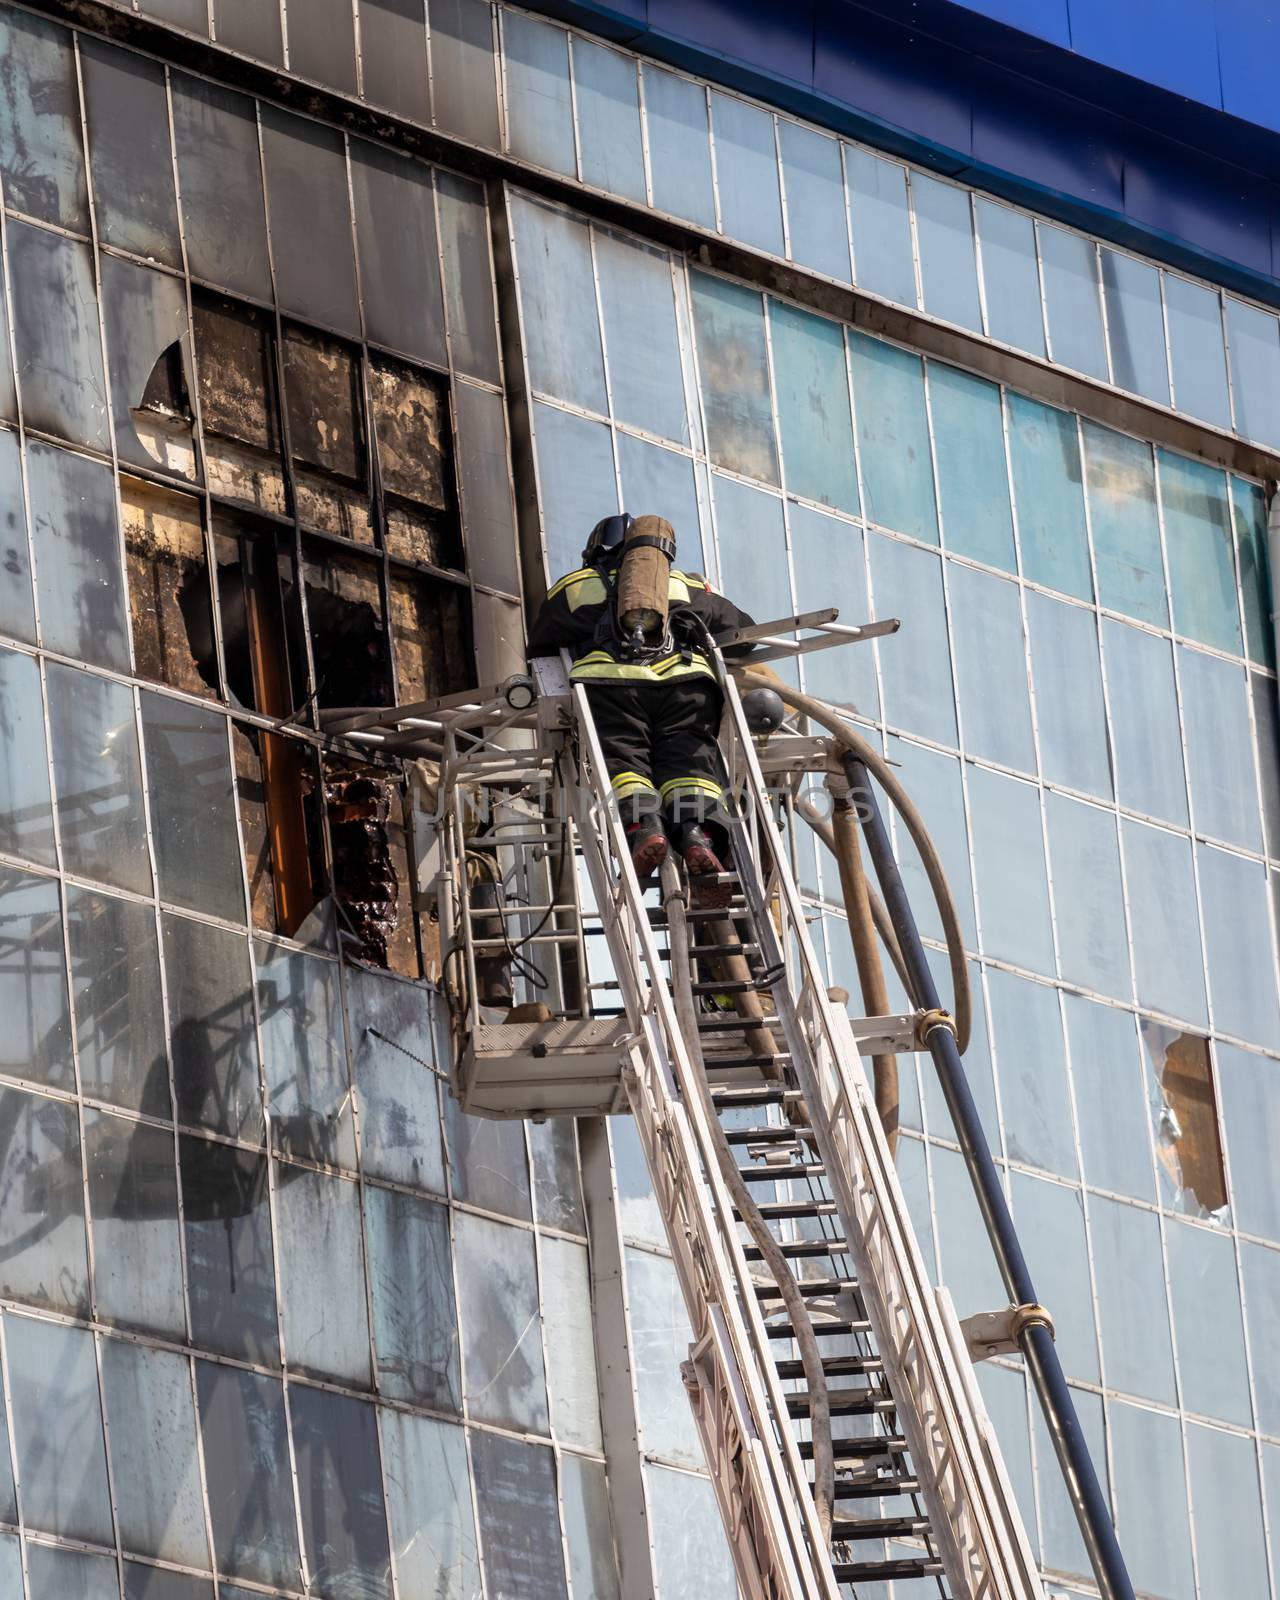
{"x":884,"y":1571}
{"x":807,"y":1169}
{"x":739,"y":986}
{"x":833,"y":1366}
{"x":767,"y":1133}
{"x":889,"y":1444}
{"x":842,"y":1329}
{"x":844,"y":1403}
{"x":874,"y":1488}
{"x":772,"y":1210}
{"x":846,"y":1529}
{"x":750,"y":948}
{"x":801,"y":1249}
{"x":716,"y":1062}
{"x":748,"y":1099}
{"x":810,"y":1288}
{"x":731,"y":1022}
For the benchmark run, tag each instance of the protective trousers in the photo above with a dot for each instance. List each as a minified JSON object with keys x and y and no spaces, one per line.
{"x":659,"y":742}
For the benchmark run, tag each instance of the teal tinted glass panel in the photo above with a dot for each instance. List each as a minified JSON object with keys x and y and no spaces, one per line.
{"x":1266,"y":723}
{"x":965,"y":1258}
{"x":1205,"y":1293}
{"x":1031,"y":1063}
{"x":1072,"y":301}
{"x":1215,"y":709}
{"x":812,"y":384}
{"x":973,"y":480}
{"x":1196,"y":351}
{"x":1197,"y":522}
{"x":1135,"y":324}
{"x":915,"y":666}
{"x":539,"y":104}
{"x":753,"y":546}
{"x":948,"y":264}
{"x":679,"y":146}
{"x":1151,"y":1501}
{"x":1084,"y":857}
{"x":645,"y":377}
{"x":830,"y":570}
{"x":1260,"y":1267}
{"x":1166,"y":929}
{"x":1008,"y":848}
{"x":734,"y":370}
{"x":1050,"y":1218}
{"x":814,"y":183}
{"x":1111,"y":1098}
{"x":1250,"y":510}
{"x":1237,"y":932}
{"x":558,"y":302}
{"x":661,"y":482}
{"x":986,"y":630}
{"x":608,"y":102}
{"x":1048,"y":487}
{"x":1132,"y":1305}
{"x":883,"y":259}
{"x":747,"y":173}
{"x":1126,"y":528}
{"x":1070,"y":712}
{"x":933,"y":781}
{"x":1226,"y":1500}
{"x":978,"y":1064}
{"x":1249,"y":1094}
{"x":1144,"y":721}
{"x":1010,"y":276}
{"x":576,"y":483}
{"x":1255,"y":371}
{"x":893,"y":435}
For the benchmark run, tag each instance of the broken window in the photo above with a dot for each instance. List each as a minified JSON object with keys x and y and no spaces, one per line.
{"x":1185,"y":1121}
{"x":326,"y":434}
{"x":411,"y":420}
{"x":348,"y":636}
{"x":367,"y":835}
{"x":238,"y":412}
{"x":146,"y":317}
{"x":168,"y":588}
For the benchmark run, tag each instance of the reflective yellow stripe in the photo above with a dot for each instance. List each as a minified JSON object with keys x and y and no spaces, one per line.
{"x":598,"y":665}
{"x":693,"y":580}
{"x":677,"y":590}
{"x":588,"y":591}
{"x":690,"y":785}
{"x":570,"y":577}
{"x":626,"y":783}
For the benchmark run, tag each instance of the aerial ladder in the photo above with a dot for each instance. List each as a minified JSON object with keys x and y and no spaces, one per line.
{"x":832,"y":1384}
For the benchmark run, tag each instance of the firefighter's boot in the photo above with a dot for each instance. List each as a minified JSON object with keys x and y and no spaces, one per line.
{"x":703,"y":865}
{"x":648,"y":841}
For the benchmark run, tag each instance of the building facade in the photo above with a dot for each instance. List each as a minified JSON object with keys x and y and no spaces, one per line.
{"x":326,"y":333}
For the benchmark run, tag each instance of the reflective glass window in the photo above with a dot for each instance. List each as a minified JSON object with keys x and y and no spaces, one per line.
{"x":1135,"y":326}
{"x":56,"y":337}
{"x":986,"y":630}
{"x":399,"y":1105}
{"x":1151,"y":1501}
{"x":501,"y":1331}
{"x":1008,"y":848}
{"x":322,"y":42}
{"x":464,"y":88}
{"x":415,"y":1321}
{"x":1111,"y":1099}
{"x":97,"y":776}
{"x":1237,"y":930}
{"x":399,"y":256}
{"x":915,"y":664}
{"x":155,"y":1467}
{"x":1026,"y":1030}
{"x":1084,"y":859}
{"x":973,"y":481}
{"x":608,"y":105}
{"x":57,"y":1429}
{"x":484,"y":473}
{"x":42,"y":1204}
{"x":948,"y":269}
{"x":8,"y":1495}
{"x":571,"y":1375}
{"x":312,"y":251}
{"x":253,"y":29}
{"x":830,"y":569}
{"x":1010,"y":276}
{"x":733,"y":367}
{"x":1195,"y":347}
{"x":883,"y":257}
{"x":1260,"y":1268}
{"x":557,"y":1188}
{"x":893,"y":434}
{"x":17,"y":607}
{"x":487,"y":1162}
{"x":814,"y":181}
{"x":1266,"y":723}
{"x":1072,"y":302}
{"x":160,"y":1583}
{"x":1215,"y":706}
{"x":516,"y":1492}
{"x":659,"y":1343}
{"x":308,"y":1093}
{"x":133,"y":1198}
{"x":1162,"y":915}
{"x":230,"y":1272}
{"x":968,"y":1267}
{"x":1070,"y":713}
{"x":1249,"y":1094}
{"x":433,"y":1527}
{"x":577,"y":484}
{"x":127,"y":113}
{"x":1202,"y":576}
{"x":468,"y":272}
{"x":211,"y":1028}
{"x":1126,"y":531}
{"x":1132,"y":1306}
{"x":753,"y":550}
{"x":53,"y":1572}
{"x":326,"y":1325}
{"x":1226,"y":1499}
{"x":1050,"y":1219}
{"x":693,"y":1557}
{"x":662,"y":481}
{"x":1254,"y":336}
{"x":9,"y":410}
{"x":747,"y":173}
{"x":1250,"y":510}
{"x":1048,"y":486}
{"x":115,"y":981}
{"x":1207,"y":1322}
{"x":679,"y":147}
{"x":638,"y":1213}
{"x":40,"y":152}
{"x":148,"y":340}
{"x":812,"y":386}
{"x":1146,"y":747}
{"x":558,"y":299}
{"x":393,"y":57}
{"x":539,"y":104}
{"x":344,"y":1520}
{"x":584,"y":1503}
{"x":1005,"y":1396}
{"x":638,"y":300}
{"x":933,"y":781}
{"x":193,"y":807}
{"x":33,"y":982}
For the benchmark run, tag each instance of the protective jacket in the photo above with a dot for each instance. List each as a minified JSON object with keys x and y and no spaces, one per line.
{"x":575,"y":617}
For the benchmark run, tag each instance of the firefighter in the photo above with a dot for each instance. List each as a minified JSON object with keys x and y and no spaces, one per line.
{"x":628,"y":617}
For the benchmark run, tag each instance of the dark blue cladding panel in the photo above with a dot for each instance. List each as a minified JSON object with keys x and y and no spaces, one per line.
{"x":1224,"y":211}
{"x":759,"y":32}
{"x":1049,"y":139}
{"x":1248,"y":39}
{"x":1173,"y":45}
{"x":1047,"y":19}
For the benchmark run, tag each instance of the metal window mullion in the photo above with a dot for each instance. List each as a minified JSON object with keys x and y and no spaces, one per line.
{"x":782,"y":186}
{"x":718,"y":224}
{"x":977,"y":262}
{"x":914,"y":231}
{"x":604,"y":362}
{"x":1101,"y":287}
{"x":645,"y":156}
{"x":573,"y":109}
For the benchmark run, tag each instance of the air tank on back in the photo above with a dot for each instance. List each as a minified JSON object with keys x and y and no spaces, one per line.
{"x":644,"y":580}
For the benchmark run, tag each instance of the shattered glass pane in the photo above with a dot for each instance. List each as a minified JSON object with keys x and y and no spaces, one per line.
{"x":127,"y":113}
{"x":215,"y":1051}
{"x":516,"y":1490}
{"x":55,"y":335}
{"x":1185,"y":1122}
{"x":224,"y":224}
{"x":557,"y":1186}
{"x":393,"y":57}
{"x":169,"y":605}
{"x":348,"y":639}
{"x":318,"y":1220}
{"x":415,"y":1319}
{"x":17,"y":607}
{"x":344,"y":1521}
{"x":371,"y":865}
{"x":238,"y":408}
{"x":231,"y":1277}
{"x":429,"y":1492}
{"x":26,"y":813}
{"x":501,"y":1328}
{"x":40,"y":122}
{"x":133,"y":1200}
{"x":308,"y":1093}
{"x":310,"y":220}
{"x":147,"y":343}
{"x":396,"y":236}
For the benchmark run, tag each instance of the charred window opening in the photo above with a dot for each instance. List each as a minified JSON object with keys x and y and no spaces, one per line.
{"x":411,"y":422}
{"x":147,"y":333}
{"x":348,"y":634}
{"x":280,"y":822}
{"x":162,"y":418}
{"x":169,"y":600}
{"x":238,"y":410}
{"x":326,"y":435}
{"x":367,"y":835}
{"x":430,"y":637}
{"x":1185,"y":1120}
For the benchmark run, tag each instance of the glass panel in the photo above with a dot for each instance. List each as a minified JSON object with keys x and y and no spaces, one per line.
{"x":8,"y":1496}
{"x":749,"y":525}
{"x":127,"y":114}
{"x":487,"y":1162}
{"x":1237,"y":931}
{"x":53,"y":1573}
{"x":556,"y":1185}
{"x":40,"y":123}
{"x":969,"y":1269}
{"x":57,"y":1429}
{"x":147,"y":344}
{"x":326,"y":1325}
{"x":193,"y":807}
{"x":9,"y":410}
{"x":747,"y":173}
{"x":1010,"y":276}
{"x":158,"y":1583}
{"x":812,"y":384}
{"x":1135,"y":325}
{"x":1162,"y":915}
{"x":733,"y":366}
{"x":56,"y":338}
{"x":1050,"y":1221}
{"x":539,"y":103}
{"x":638,"y":1213}
{"x":1070,"y":713}
{"x":986,"y":629}
{"x":33,"y":982}
{"x":393,"y":57}
{"x":566,"y":1297}
{"x":608,"y":106}
{"x":391,"y":1057}
{"x":115,"y":978}
{"x":660,"y":481}
{"x":211,"y":1028}
{"x":1084,"y":858}
{"x":933,"y":781}
{"x":322,"y":43}
{"x":41,"y":1203}
{"x":1260,"y":1268}
{"x":948,"y":269}
{"x":464,"y":88}
{"x":830,"y":569}
{"x":246,"y":1454}
{"x":1005,"y":1395}
{"x":230,"y":1273}
{"x":893,"y":434}
{"x":1111,"y":1099}
{"x":429,"y":1496}
{"x":399,"y":258}
{"x":1026,"y":1030}
{"x":344,"y":1521}
{"x":977,"y":1061}
{"x":883,"y":258}
{"x":156,"y":1470}
{"x":468,"y":274}
{"x":1220,"y":749}
{"x":1254,"y":337}
{"x":692,"y":1557}
{"x":98,"y":778}
{"x":308,"y":1093}
{"x":1151,"y":1501}
{"x":679,"y":147}
{"x":1126,"y":532}
{"x":645,"y":378}
{"x":1132,"y":1308}
{"x":814,"y":182}
{"x":1144,"y":722}
{"x":516,"y":1491}
{"x":558,"y":305}
{"x":1048,"y":485}
{"x":1210,"y":1329}
{"x":1195,"y":345}
{"x":484,"y":474}
{"x":310,"y":220}
{"x":133,"y":1199}
{"x":415,"y":1321}
{"x":1008,"y":847}
{"x":1071,"y":300}
{"x":1202,"y":577}
{"x":973,"y":481}
{"x":1249,"y":1093}
{"x":501,"y":1331}
{"x":584,"y":1499}
{"x":660,"y":1342}
{"x":251,"y":28}
{"x":1266,"y":722}
{"x":915,"y":665}
{"x":1250,"y":508}
{"x":17,"y":606}
{"x":1191,"y":1172}
{"x":1231,"y":1546}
